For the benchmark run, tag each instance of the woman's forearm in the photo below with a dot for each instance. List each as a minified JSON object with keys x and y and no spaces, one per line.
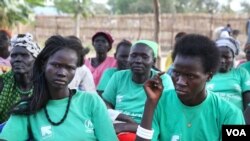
{"x":147,"y":118}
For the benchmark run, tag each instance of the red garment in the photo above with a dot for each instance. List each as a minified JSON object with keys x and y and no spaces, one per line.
{"x":97,"y":72}
{"x":126,"y":136}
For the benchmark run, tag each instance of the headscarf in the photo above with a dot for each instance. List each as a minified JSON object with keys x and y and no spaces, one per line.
{"x":26,"y":41}
{"x":106,"y":35}
{"x":224,"y":34}
{"x":230,"y":43}
{"x":151,"y":44}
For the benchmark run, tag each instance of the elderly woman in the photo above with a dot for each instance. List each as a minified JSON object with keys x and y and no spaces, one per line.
{"x":232,"y":84}
{"x":102,"y":42}
{"x":16,"y":84}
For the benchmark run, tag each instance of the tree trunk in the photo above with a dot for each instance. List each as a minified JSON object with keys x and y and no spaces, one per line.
{"x":77,"y":24}
{"x":157,"y":22}
{"x":211,"y":24}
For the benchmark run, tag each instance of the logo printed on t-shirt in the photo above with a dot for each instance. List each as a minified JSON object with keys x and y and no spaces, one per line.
{"x":89,"y":126}
{"x":247,"y":83}
{"x":237,"y":87}
{"x":119,"y":98}
{"x":46,"y":131}
{"x":175,"y":138}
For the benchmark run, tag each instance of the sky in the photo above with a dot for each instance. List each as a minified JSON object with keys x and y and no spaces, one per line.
{"x":100,"y":1}
{"x":235,"y":4}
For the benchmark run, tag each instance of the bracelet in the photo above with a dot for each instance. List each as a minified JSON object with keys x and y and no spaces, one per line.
{"x":113,"y":114}
{"x":144,"y":133}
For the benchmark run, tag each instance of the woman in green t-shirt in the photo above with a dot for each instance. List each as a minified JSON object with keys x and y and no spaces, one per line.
{"x":190,"y":112}
{"x":230,"y":83}
{"x":54,"y":112}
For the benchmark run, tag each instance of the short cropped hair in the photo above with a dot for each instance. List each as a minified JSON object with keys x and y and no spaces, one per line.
{"x":179,"y":35}
{"x":195,"y":45}
{"x":124,"y":42}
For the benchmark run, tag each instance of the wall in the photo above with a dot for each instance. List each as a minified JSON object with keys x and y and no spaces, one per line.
{"x":135,"y":27}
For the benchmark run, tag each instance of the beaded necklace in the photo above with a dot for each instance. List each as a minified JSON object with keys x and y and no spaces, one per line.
{"x":189,"y":120}
{"x":64,"y":116}
{"x":24,"y":92}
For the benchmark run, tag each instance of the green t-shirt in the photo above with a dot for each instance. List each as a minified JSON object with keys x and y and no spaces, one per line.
{"x":127,"y":96}
{"x":231,"y":85}
{"x":174,"y":121}
{"x":87,"y":120}
{"x":107,"y":74}
{"x":246,"y":65}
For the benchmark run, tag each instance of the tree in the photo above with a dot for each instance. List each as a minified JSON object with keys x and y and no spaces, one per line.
{"x":139,"y":6}
{"x":131,"y":6}
{"x":101,"y":9}
{"x":13,"y":12}
{"x":196,"y":6}
{"x":157,"y":11}
{"x":76,"y":7}
{"x":227,"y":8}
{"x":246,"y":6}
{"x":167,"y":6}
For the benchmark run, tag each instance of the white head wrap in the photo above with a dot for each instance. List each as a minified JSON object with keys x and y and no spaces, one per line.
{"x":224,"y":34}
{"x":27,"y":42}
{"x":231,"y":43}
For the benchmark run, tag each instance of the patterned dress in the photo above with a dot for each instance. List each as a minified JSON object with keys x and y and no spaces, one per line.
{"x":9,"y":95}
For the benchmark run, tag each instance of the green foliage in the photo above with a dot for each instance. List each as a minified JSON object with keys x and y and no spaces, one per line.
{"x":75,"y":7}
{"x":131,"y":6}
{"x":13,"y":11}
{"x":196,"y":6}
{"x":145,"y":6}
{"x":226,"y":8}
{"x":167,"y":6}
{"x":34,"y":3}
{"x":246,"y":7}
{"x":100,"y":9}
